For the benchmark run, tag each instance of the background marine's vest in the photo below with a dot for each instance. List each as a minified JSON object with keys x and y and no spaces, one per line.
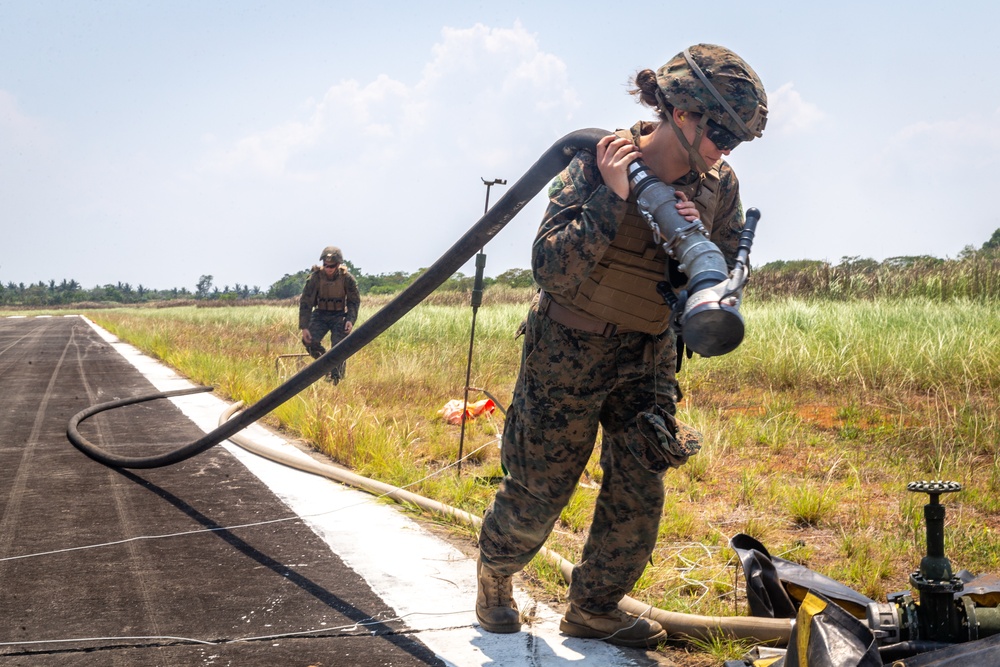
{"x":332,"y":292}
{"x":622,"y":288}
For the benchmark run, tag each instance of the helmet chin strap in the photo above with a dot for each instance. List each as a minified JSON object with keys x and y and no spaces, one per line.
{"x":695,"y":160}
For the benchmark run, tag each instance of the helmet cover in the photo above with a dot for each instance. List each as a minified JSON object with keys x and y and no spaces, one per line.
{"x":712,"y":80}
{"x":332,"y":255}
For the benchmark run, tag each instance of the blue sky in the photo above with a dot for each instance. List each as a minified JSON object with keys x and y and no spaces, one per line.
{"x":152,"y":143}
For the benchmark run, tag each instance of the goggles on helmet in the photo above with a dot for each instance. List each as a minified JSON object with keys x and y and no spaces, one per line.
{"x":723,"y":139}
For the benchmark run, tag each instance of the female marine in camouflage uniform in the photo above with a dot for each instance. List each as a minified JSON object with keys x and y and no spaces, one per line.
{"x":598,"y":348}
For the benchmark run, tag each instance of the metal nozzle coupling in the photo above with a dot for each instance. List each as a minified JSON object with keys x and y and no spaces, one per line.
{"x":711,"y":323}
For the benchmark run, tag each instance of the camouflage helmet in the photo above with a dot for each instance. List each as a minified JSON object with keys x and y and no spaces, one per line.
{"x":713,"y":81}
{"x":332,"y":255}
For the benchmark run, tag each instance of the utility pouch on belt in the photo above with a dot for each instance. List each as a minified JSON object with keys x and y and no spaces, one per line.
{"x":664,"y":444}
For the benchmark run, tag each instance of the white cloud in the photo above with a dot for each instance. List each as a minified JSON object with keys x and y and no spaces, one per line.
{"x":348,"y":107}
{"x":963,"y":143}
{"x":789,"y":113}
{"x":408,"y":154}
{"x":480,"y":82}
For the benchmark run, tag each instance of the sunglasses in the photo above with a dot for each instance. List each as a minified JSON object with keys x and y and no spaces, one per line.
{"x":723,"y":139}
{"x":330,"y":266}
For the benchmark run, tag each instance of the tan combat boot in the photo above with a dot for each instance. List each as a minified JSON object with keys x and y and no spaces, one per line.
{"x":616,"y":627}
{"x":495,"y":606}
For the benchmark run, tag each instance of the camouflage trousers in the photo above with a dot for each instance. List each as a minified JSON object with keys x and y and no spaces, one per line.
{"x":322,"y":322}
{"x":570,"y":383}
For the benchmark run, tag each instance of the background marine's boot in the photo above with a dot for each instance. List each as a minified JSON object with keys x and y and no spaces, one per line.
{"x":615,"y":627}
{"x":495,"y":606}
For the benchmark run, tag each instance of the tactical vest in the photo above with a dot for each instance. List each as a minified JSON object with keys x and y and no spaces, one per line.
{"x":332,"y":292}
{"x":622,"y":288}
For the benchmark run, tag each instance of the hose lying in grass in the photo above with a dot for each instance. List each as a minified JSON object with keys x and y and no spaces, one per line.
{"x":775,"y":631}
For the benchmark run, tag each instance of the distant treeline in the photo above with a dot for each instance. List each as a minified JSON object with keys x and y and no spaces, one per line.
{"x":974,"y":274}
{"x":70,"y":292}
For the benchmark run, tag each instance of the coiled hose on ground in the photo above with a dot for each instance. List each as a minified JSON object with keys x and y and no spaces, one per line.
{"x":517,"y":196}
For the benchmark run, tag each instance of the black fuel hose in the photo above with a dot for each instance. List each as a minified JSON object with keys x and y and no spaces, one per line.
{"x":517,"y":196}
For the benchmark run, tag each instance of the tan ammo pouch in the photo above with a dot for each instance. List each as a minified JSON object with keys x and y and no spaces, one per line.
{"x":331,"y":305}
{"x":566,"y":317}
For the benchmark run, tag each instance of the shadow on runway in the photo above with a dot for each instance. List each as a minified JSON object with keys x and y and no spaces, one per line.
{"x":365,"y":622}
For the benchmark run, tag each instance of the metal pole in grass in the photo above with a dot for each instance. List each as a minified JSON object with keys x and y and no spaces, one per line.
{"x":477,"y":300}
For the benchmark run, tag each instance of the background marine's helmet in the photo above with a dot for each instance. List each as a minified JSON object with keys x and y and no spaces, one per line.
{"x":332,"y":255}
{"x":712,"y":80}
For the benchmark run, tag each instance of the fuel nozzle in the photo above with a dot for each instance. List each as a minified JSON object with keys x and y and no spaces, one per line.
{"x":710,"y":322}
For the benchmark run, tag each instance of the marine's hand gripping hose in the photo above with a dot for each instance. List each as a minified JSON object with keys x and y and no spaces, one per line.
{"x":517,"y":196}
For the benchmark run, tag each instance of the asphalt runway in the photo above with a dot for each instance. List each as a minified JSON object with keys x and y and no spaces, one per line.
{"x":223,"y":559}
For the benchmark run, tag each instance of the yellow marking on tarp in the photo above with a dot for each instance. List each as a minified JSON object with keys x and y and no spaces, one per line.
{"x":811,"y":606}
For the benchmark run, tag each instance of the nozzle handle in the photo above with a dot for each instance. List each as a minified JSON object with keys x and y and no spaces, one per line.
{"x":933,"y":488}
{"x":746,"y":236}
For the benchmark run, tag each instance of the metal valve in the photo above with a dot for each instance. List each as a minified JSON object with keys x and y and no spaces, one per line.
{"x":941,"y":614}
{"x":934,"y":488}
{"x":936,"y":584}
